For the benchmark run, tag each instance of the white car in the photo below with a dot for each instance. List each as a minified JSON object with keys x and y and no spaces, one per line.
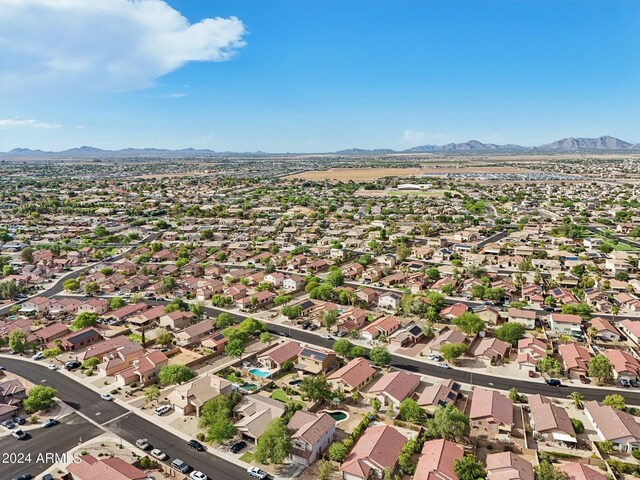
{"x":326,"y":337}
{"x":256,"y":472}
{"x":162,"y":409}
{"x":38,"y":356}
{"x":159,"y":454}
{"x":442,"y":365}
{"x":107,"y":396}
{"x":18,"y":433}
{"x":198,"y":475}
{"x":51,"y":366}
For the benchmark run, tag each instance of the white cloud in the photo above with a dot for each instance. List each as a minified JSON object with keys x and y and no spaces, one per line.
{"x":104,"y":45}
{"x":411,"y":136}
{"x":26,"y":122}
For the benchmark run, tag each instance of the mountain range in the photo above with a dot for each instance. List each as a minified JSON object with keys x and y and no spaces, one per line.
{"x":571,"y":144}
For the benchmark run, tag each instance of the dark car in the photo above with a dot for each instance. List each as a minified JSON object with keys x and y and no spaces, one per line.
{"x":24,"y":476}
{"x":583,"y":379}
{"x":48,"y":476}
{"x":9,"y":424}
{"x":236,"y":447}
{"x":295,"y":382}
{"x":196,"y":445}
{"x":633,"y":383}
{"x":553,"y":382}
{"x":50,"y":423}
{"x":19,"y":420}
{"x":72,"y":365}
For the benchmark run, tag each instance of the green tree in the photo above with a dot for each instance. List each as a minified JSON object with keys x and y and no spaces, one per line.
{"x":291,"y":311}
{"x":468,"y":468}
{"x":224,"y":320}
{"x":375,"y":404}
{"x":325,"y":468}
{"x":380,"y":356}
{"x":152,"y":392}
{"x":615,"y":400}
{"x":316,"y":388}
{"x":547,"y":471}
{"x":196,"y":309}
{"x":174,"y":374}
{"x":39,"y":398}
{"x":84,"y":320}
{"x":18,"y":341}
{"x":52,"y":352}
{"x":167,"y":284}
{"x":410,"y":411}
{"x":252,"y":326}
{"x":342,"y":347}
{"x":452,"y":351}
{"x":335,"y":278}
{"x":577,"y":399}
{"x":578,"y":426}
{"x":338,"y":451}
{"x":448,"y":423}
{"x":600,"y":368}
{"x":549,"y":365}
{"x":329,"y":318}
{"x":510,"y":332}
{"x":27,"y":255}
{"x":91,"y":288}
{"x":235,"y":347}
{"x":282,"y":300}
{"x":469,"y":323}
{"x":164,"y":337}
{"x":71,"y":285}
{"x":265,"y":337}
{"x":581,"y":309}
{"x":116,"y":302}
{"x":274,"y":445}
{"x":220,"y":430}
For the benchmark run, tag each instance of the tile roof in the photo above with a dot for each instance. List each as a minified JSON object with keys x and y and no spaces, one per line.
{"x":437,"y":460}
{"x":613,"y":424}
{"x":508,"y":466}
{"x":354,"y":373}
{"x":398,"y":385}
{"x":379,"y":446}
{"x":492,"y":405}
{"x":548,"y":417}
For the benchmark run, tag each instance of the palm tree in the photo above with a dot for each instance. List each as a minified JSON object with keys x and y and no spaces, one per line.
{"x":614,"y":311}
{"x":577,"y":398}
{"x":592,"y":332}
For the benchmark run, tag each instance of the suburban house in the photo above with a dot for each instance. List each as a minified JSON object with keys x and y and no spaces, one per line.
{"x":614,"y":425}
{"x":36,"y":304}
{"x":254,"y":412}
{"x":508,"y":466}
{"x":439,"y":395}
{"x":12,"y":392}
{"x":631,"y":328}
{"x":215,"y":342}
{"x":565,"y":323}
{"x":98,"y":306}
{"x":315,"y":360}
{"x":579,"y":471}
{"x":276,"y":356}
{"x":550,"y":421}
{"x":107,"y":346}
{"x":49,"y":333}
{"x":376,"y":450}
{"x":143,"y":370}
{"x":624,"y":364}
{"x":194,"y":333}
{"x":437,"y":460}
{"x":91,"y":468}
{"x":491,"y":411}
{"x":353,"y":376}
{"x":530,"y":351}
{"x":176,"y":320}
{"x":80,"y":339}
{"x":453,"y":311}
{"x":389,"y":300}
{"x":313,"y":433}
{"x":575,"y":359}
{"x":489,"y":348}
{"x":446,"y":335}
{"x":605,"y":330}
{"x":394,"y":387}
{"x":524,"y":317}
{"x":191,"y":396}
{"x":385,"y":326}
{"x":120,"y":358}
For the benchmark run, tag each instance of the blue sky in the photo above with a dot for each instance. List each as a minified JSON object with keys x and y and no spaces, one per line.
{"x":314,"y":76}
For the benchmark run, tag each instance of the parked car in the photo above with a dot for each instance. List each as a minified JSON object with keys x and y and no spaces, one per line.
{"x":38,"y":356}
{"x":442,"y":365}
{"x":72,"y":365}
{"x":531,"y":374}
{"x":24,"y":476}
{"x":19,"y":420}
{"x":284,"y":334}
{"x":625,"y":383}
{"x":107,"y":396}
{"x":583,"y":379}
{"x":9,"y":424}
{"x":198,"y":475}
{"x":162,"y":409}
{"x":48,"y":476}
{"x":18,"y":433}
{"x":257,"y":472}
{"x":434,"y":356}
{"x":1,"y":368}
{"x":52,"y":366}
{"x":196,"y":445}
{"x":180,"y":465}
{"x":553,"y":382}
{"x":297,"y":381}
{"x":633,"y":383}
{"x":143,"y":444}
{"x":341,"y":334}
{"x":159,"y":454}
{"x":326,"y":337}
{"x":237,"y":447}
{"x":50,"y":423}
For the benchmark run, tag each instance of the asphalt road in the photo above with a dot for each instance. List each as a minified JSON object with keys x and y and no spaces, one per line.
{"x":30,"y":455}
{"x":119,"y":420}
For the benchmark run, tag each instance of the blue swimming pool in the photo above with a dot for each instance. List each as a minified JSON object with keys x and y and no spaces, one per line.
{"x":259,"y":373}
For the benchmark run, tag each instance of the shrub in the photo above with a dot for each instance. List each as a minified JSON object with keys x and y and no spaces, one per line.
{"x":578,"y":426}
{"x":114,"y":391}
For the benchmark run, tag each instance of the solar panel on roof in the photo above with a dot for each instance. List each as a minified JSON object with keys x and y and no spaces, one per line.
{"x":82,"y":336}
{"x":306,"y":352}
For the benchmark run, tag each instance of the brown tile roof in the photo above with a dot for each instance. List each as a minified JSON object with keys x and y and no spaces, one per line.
{"x":90,"y":468}
{"x":492,"y":405}
{"x":353,"y":373}
{"x":548,"y":417}
{"x":614,"y":424}
{"x":282,"y":352}
{"x":378,"y":446}
{"x":437,"y":460}
{"x":508,"y":466}
{"x":579,"y":471}
{"x":398,"y":385}
{"x":313,"y":430}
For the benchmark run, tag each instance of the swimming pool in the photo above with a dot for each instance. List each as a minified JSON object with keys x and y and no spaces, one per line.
{"x":259,"y":373}
{"x":248,"y":386}
{"x":337,"y":415}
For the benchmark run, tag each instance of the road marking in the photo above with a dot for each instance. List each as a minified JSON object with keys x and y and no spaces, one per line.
{"x":114,"y":419}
